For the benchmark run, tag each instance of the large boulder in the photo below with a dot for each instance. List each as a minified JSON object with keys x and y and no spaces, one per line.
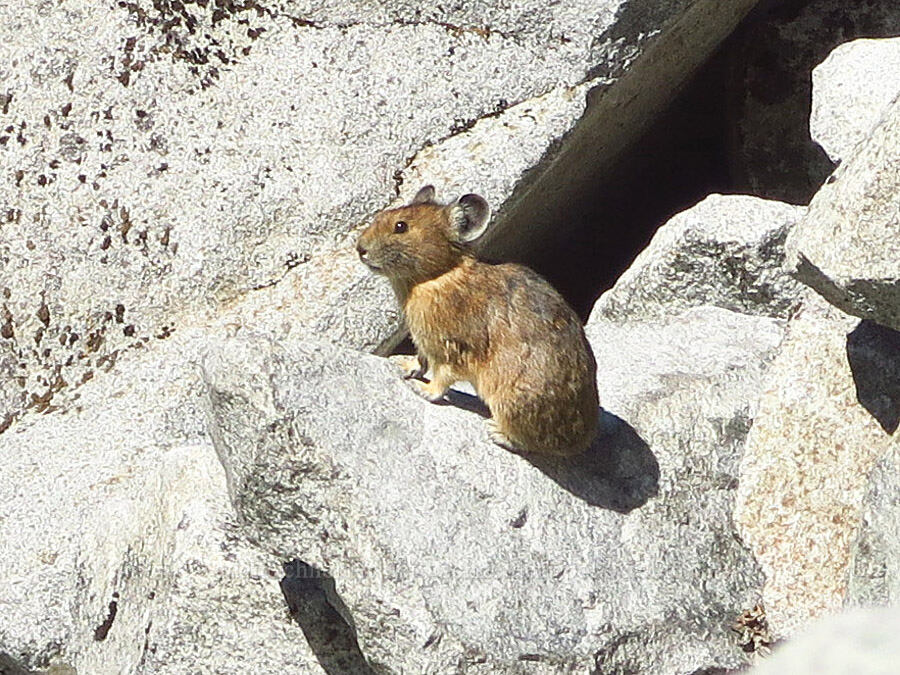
{"x":819,"y":430}
{"x":726,"y":251}
{"x":163,"y":163}
{"x":450,"y":553}
{"x":852,"y":89}
{"x":848,"y":245}
{"x":118,"y":547}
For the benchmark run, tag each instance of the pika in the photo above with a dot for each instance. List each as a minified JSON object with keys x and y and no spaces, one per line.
{"x":502,"y":327}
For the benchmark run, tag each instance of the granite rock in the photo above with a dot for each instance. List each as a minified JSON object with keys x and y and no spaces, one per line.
{"x":118,"y":547}
{"x":727,"y":251}
{"x":448,"y":552}
{"x":852,"y":89}
{"x":817,"y":434}
{"x":860,"y":641}
{"x":847,"y":247}
{"x":875,"y":571}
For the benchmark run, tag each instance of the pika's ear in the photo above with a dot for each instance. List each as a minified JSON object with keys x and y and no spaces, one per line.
{"x":424,"y":196}
{"x":470,"y":215}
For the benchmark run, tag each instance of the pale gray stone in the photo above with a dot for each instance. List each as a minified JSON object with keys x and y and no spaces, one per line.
{"x":817,"y":434}
{"x":852,"y":89}
{"x":859,"y":642}
{"x":118,"y":550}
{"x":449,"y":552}
{"x":726,"y":251}
{"x":875,"y":574}
{"x":847,"y":247}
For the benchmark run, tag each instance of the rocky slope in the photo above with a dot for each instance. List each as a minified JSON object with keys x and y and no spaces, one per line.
{"x":203,"y":468}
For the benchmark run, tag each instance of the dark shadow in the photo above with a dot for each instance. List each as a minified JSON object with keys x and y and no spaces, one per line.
{"x":595,"y":234}
{"x":468,"y":402}
{"x":8,"y":666}
{"x":772,"y":57}
{"x":314,"y":604}
{"x":873,"y":352}
{"x":618,"y":472}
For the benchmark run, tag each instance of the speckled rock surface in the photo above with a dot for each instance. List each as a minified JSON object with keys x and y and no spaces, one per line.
{"x":875,"y":575}
{"x":847,"y":247}
{"x":726,"y":251}
{"x":815,"y":438}
{"x":452,"y":554}
{"x":118,"y":549}
{"x":852,"y":89}
{"x":165,"y":163}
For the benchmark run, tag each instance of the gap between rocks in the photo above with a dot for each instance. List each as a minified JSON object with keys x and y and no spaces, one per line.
{"x":582,"y":219}
{"x":326,"y":623}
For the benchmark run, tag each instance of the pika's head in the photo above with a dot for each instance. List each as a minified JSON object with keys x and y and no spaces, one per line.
{"x":423,"y":239}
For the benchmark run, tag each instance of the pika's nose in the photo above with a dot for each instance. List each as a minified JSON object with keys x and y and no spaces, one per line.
{"x":362,"y":250}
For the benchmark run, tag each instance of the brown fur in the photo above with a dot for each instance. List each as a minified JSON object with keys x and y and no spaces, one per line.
{"x":501,"y":327}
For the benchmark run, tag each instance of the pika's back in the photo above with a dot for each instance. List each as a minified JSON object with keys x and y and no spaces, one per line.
{"x":540,"y":377}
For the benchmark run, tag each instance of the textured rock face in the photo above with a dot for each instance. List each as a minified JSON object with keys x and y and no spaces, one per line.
{"x":165,"y":162}
{"x":852,"y":89}
{"x":727,"y":251}
{"x":452,"y":554}
{"x":118,"y":547}
{"x":848,"y":245}
{"x":875,"y":575}
{"x":188,"y":481}
{"x":808,"y":456}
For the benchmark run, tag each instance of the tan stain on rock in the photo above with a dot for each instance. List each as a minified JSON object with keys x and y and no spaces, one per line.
{"x":805,"y":468}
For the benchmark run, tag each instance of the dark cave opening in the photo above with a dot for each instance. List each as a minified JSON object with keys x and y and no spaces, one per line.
{"x":739,"y":125}
{"x":680,"y":159}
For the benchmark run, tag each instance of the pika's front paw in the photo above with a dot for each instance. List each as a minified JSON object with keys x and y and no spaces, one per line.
{"x":410,"y":366}
{"x":427,"y":391}
{"x":499,"y":437}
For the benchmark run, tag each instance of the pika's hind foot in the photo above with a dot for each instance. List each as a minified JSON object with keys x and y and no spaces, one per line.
{"x":430,"y":392}
{"x":499,"y":438}
{"x":412,"y":367}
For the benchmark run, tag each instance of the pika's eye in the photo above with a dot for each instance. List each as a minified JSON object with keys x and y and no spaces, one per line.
{"x":400,"y":227}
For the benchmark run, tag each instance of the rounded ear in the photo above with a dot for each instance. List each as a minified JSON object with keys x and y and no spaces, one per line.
{"x":470,"y":215}
{"x":424,"y":196}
